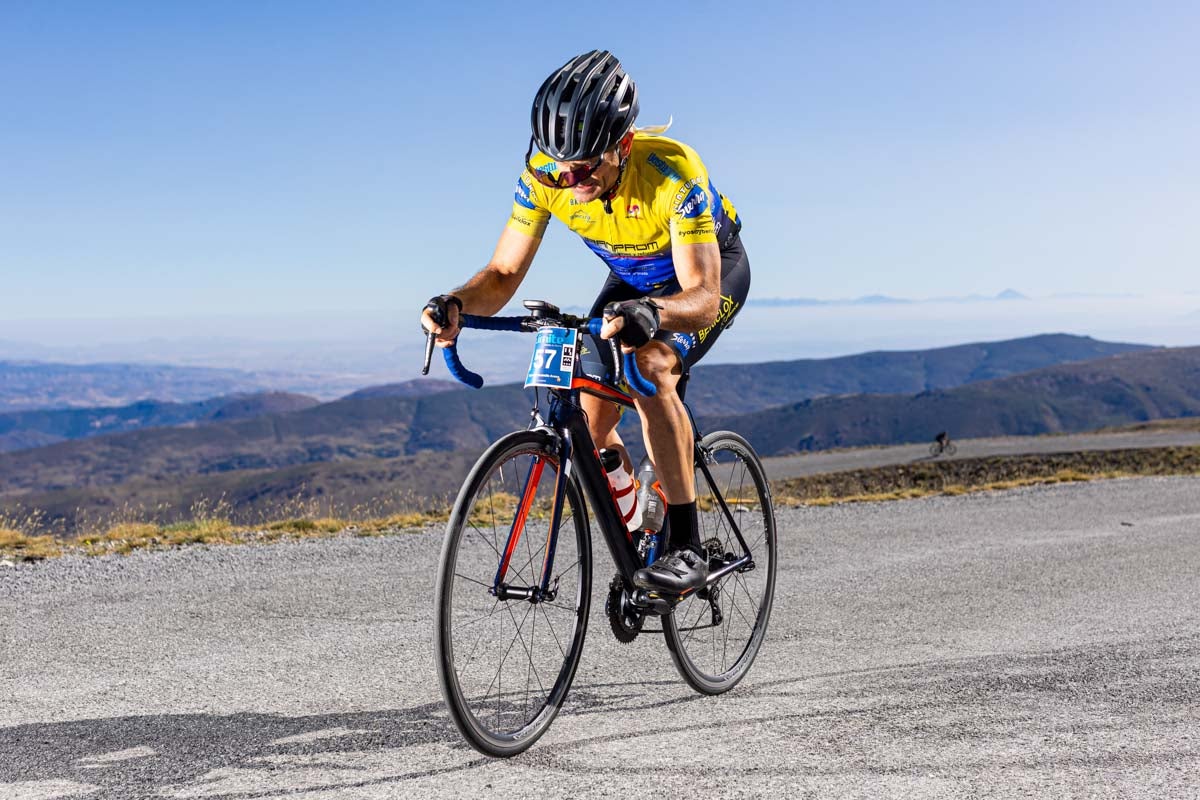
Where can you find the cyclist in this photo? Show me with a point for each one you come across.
(678, 272)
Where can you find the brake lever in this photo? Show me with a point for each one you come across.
(430, 340)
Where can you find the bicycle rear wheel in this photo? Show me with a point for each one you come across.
(714, 635)
(506, 659)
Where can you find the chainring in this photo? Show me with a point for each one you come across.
(623, 618)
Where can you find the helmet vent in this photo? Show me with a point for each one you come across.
(583, 108)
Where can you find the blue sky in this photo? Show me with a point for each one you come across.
(216, 158)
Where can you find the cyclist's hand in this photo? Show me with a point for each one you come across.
(633, 322)
(440, 316)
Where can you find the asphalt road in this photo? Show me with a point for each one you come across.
(866, 457)
(1033, 643)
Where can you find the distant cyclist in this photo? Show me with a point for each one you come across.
(647, 207)
(942, 444)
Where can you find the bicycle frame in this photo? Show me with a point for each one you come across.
(567, 427)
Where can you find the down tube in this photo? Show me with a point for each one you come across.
(595, 484)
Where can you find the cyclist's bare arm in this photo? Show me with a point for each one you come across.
(698, 270)
(491, 287)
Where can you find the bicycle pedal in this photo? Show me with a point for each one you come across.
(655, 603)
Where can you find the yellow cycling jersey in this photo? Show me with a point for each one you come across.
(665, 196)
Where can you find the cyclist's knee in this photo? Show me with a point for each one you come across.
(660, 365)
(602, 415)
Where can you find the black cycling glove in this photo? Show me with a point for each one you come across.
(439, 308)
(641, 319)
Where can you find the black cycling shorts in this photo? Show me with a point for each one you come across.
(595, 357)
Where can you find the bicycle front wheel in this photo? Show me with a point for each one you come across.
(714, 634)
(951, 448)
(507, 650)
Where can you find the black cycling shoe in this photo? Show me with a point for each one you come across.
(675, 573)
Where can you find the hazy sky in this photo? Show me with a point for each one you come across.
(240, 158)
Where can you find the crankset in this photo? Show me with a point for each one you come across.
(625, 620)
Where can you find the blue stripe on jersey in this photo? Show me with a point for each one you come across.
(641, 272)
(721, 220)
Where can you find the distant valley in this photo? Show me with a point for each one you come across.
(39, 386)
(21, 430)
(382, 448)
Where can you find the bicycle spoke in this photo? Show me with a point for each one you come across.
(691, 629)
(528, 651)
(478, 639)
(753, 605)
(568, 609)
(472, 580)
(552, 633)
(496, 678)
(529, 666)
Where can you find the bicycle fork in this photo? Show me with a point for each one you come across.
(543, 590)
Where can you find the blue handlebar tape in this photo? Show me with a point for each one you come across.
(461, 373)
(639, 384)
(491, 323)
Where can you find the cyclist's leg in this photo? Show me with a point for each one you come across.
(667, 428)
(596, 361)
(667, 362)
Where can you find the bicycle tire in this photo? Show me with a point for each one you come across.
(951, 448)
(506, 723)
(696, 654)
(936, 449)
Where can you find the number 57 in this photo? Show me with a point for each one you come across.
(547, 356)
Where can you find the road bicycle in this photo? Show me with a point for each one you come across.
(939, 447)
(515, 579)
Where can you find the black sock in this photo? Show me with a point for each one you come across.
(684, 527)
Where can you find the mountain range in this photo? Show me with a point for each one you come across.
(377, 446)
(1159, 384)
(21, 430)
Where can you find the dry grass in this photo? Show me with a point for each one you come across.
(952, 490)
(210, 523)
(126, 537)
(19, 546)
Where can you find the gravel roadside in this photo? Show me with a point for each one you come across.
(1038, 642)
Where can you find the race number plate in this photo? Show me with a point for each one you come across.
(553, 361)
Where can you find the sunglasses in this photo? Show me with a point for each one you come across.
(563, 179)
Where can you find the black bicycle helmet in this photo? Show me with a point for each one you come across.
(584, 107)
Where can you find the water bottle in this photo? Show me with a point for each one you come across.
(622, 488)
(650, 498)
